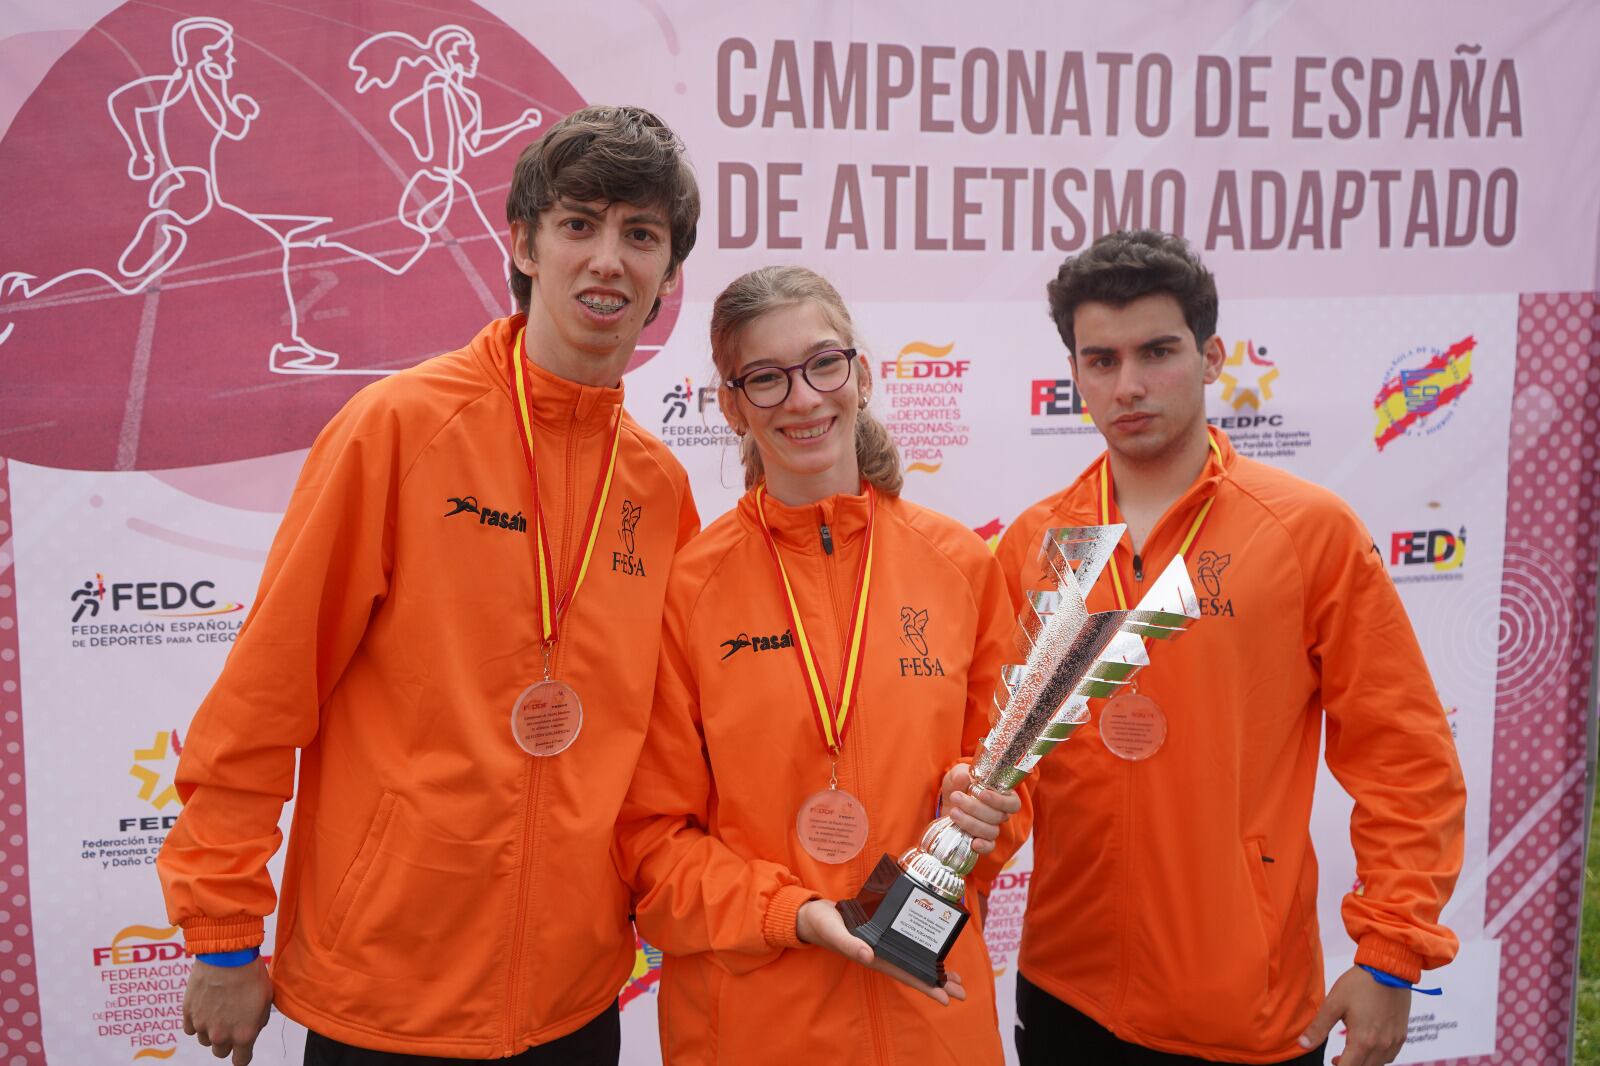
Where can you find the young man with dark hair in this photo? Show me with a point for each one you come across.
(443, 632)
(1172, 910)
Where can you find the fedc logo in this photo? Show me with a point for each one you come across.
(990, 533)
(140, 613)
(1420, 390)
(161, 599)
(924, 387)
(690, 416)
(1439, 550)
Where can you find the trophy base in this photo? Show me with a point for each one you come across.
(907, 926)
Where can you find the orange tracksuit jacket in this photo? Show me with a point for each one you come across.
(1174, 900)
(444, 893)
(708, 828)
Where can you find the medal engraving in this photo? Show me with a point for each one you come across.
(546, 718)
(1133, 726)
(832, 826)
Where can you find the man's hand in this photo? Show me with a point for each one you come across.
(980, 817)
(1375, 1019)
(819, 923)
(226, 1007)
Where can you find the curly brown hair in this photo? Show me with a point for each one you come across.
(1123, 266)
(606, 154)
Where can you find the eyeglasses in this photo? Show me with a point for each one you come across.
(768, 386)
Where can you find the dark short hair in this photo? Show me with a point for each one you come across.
(1123, 266)
(606, 154)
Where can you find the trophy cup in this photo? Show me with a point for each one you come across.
(910, 909)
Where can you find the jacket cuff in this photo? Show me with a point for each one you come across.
(777, 926)
(202, 936)
(1390, 956)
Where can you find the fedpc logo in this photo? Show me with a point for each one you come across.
(1247, 377)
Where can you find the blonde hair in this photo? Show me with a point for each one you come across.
(762, 291)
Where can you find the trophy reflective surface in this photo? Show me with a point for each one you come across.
(910, 908)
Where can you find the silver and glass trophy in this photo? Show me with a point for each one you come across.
(910, 908)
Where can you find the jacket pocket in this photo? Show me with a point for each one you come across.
(1266, 914)
(350, 885)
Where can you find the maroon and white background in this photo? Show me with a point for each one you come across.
(219, 220)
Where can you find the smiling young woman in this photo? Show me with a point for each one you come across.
(778, 768)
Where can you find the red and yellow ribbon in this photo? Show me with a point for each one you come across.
(833, 718)
(551, 608)
(1105, 516)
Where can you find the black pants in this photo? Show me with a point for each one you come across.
(599, 1043)
(1050, 1033)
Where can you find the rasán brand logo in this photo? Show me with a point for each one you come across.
(745, 640)
(487, 516)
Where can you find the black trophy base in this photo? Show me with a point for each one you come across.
(907, 926)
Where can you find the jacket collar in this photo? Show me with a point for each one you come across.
(556, 402)
(1082, 500)
(799, 529)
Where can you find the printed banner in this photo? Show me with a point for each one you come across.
(222, 220)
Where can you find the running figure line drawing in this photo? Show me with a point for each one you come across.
(441, 122)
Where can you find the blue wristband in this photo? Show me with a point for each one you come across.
(242, 957)
(1392, 981)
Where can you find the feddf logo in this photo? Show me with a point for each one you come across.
(142, 974)
(924, 385)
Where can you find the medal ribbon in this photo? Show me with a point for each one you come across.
(1105, 516)
(551, 609)
(832, 718)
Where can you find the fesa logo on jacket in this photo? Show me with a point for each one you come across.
(745, 640)
(914, 632)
